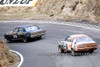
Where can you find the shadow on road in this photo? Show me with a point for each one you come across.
(29, 40)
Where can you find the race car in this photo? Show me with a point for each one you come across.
(77, 43)
(24, 33)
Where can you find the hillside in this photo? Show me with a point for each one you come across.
(6, 57)
(66, 9)
(71, 8)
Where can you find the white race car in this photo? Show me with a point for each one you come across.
(77, 43)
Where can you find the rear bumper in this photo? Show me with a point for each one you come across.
(37, 35)
(86, 49)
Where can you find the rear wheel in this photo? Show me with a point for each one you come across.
(39, 37)
(91, 51)
(73, 52)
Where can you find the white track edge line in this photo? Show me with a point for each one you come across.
(53, 22)
(21, 57)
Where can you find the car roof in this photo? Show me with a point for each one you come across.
(24, 26)
(78, 35)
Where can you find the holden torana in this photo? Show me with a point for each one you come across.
(24, 33)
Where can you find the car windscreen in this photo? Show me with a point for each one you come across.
(32, 28)
(83, 39)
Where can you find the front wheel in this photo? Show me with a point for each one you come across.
(25, 40)
(60, 49)
(8, 40)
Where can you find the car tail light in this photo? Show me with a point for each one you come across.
(80, 46)
(94, 45)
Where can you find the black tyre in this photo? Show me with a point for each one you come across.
(39, 37)
(25, 40)
(91, 51)
(67, 49)
(8, 40)
(60, 49)
(73, 53)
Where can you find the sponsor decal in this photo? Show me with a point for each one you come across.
(15, 36)
(9, 33)
(21, 33)
(18, 3)
(35, 2)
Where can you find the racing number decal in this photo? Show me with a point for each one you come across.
(15, 36)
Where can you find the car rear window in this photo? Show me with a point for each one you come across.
(83, 39)
(32, 28)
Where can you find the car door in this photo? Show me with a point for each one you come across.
(69, 42)
(20, 32)
(15, 35)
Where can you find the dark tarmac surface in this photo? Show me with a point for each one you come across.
(44, 52)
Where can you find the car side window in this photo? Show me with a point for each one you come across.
(20, 30)
(37, 27)
(15, 30)
(68, 39)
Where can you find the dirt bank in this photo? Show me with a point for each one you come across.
(6, 57)
(57, 9)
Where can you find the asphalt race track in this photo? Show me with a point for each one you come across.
(44, 52)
